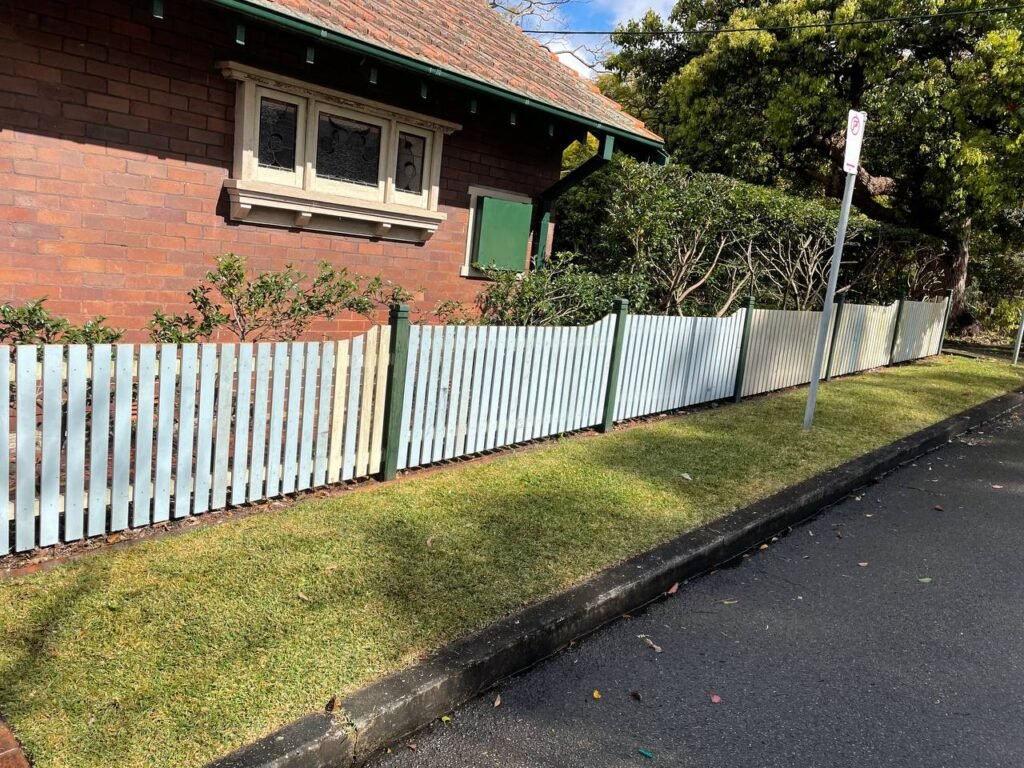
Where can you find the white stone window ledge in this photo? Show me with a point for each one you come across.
(276, 205)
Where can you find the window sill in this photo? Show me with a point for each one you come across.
(281, 206)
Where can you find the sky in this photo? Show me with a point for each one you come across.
(593, 15)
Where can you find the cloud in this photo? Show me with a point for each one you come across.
(624, 10)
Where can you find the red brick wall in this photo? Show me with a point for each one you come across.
(116, 135)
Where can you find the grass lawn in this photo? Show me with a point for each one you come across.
(173, 652)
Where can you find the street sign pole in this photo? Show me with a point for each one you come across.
(854, 138)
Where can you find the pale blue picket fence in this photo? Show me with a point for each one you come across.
(111, 437)
(673, 362)
(472, 389)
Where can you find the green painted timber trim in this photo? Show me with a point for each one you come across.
(299, 26)
(619, 308)
(945, 319)
(741, 365)
(840, 303)
(398, 358)
(896, 331)
(604, 154)
(543, 228)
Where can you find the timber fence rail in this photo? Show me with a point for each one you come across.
(109, 437)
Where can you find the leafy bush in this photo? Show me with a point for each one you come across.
(32, 323)
(270, 305)
(562, 293)
(700, 241)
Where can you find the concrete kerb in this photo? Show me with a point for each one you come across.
(385, 711)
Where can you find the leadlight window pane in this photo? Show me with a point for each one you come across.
(278, 125)
(347, 150)
(409, 175)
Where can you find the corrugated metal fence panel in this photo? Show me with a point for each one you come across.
(781, 350)
(673, 362)
(474, 389)
(106, 437)
(920, 330)
(864, 338)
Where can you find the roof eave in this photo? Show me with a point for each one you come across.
(336, 38)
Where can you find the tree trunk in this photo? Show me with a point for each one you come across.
(956, 278)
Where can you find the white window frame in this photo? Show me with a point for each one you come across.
(302, 199)
(349, 189)
(293, 178)
(476, 192)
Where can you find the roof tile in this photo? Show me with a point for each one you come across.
(469, 38)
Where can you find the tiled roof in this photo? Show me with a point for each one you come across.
(470, 39)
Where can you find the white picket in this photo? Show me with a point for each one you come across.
(25, 487)
(204, 428)
(74, 491)
(323, 415)
(143, 480)
(356, 380)
(124, 396)
(261, 397)
(222, 434)
(305, 479)
(240, 445)
(49, 465)
(165, 433)
(5, 457)
(99, 436)
(183, 469)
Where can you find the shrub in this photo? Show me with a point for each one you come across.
(32, 323)
(276, 306)
(562, 293)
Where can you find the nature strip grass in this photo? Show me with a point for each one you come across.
(176, 651)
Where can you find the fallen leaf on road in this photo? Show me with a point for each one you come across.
(411, 746)
(596, 694)
(938, 508)
(729, 602)
(636, 695)
(763, 546)
(997, 487)
(863, 565)
(652, 645)
(673, 589)
(925, 580)
(716, 699)
(445, 719)
(497, 700)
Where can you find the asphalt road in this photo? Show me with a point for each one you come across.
(829, 648)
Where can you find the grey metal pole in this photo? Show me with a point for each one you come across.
(1020, 336)
(830, 292)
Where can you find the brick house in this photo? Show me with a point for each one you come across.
(406, 138)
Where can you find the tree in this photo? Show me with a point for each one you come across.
(943, 148)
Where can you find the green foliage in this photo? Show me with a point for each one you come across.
(1004, 318)
(32, 323)
(270, 305)
(943, 152)
(562, 293)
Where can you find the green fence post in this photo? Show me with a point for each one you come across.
(838, 315)
(741, 366)
(896, 331)
(619, 309)
(945, 319)
(398, 358)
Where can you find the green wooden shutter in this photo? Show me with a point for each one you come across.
(502, 235)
